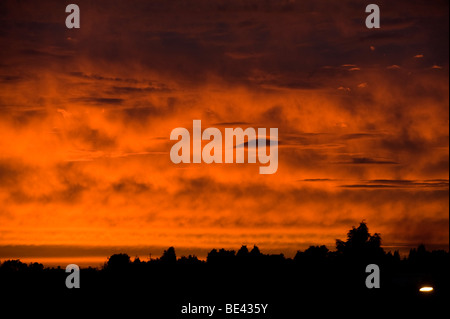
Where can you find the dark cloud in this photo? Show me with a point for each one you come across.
(221, 38)
(98, 77)
(11, 172)
(232, 124)
(10, 78)
(360, 136)
(366, 160)
(69, 193)
(381, 183)
(94, 138)
(316, 180)
(130, 186)
(143, 114)
(38, 54)
(367, 186)
(20, 116)
(268, 141)
(135, 90)
(408, 141)
(99, 101)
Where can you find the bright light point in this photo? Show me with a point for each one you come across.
(426, 289)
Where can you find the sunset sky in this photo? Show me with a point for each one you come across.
(86, 116)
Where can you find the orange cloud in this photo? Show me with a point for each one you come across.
(87, 114)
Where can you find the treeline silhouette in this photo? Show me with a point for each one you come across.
(248, 274)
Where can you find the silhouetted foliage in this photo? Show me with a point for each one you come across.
(255, 251)
(13, 265)
(360, 244)
(313, 272)
(242, 252)
(222, 256)
(118, 262)
(312, 255)
(169, 256)
(189, 260)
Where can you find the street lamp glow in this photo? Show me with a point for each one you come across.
(426, 289)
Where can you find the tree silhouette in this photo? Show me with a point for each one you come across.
(220, 257)
(313, 256)
(317, 252)
(118, 262)
(189, 260)
(360, 244)
(242, 252)
(169, 256)
(13, 265)
(311, 273)
(255, 251)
